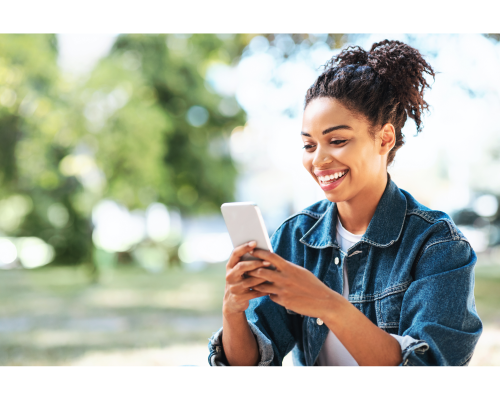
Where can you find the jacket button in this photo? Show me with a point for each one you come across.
(319, 321)
(336, 260)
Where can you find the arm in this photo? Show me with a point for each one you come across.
(300, 290)
(239, 344)
(438, 309)
(365, 341)
(238, 341)
(264, 333)
(242, 342)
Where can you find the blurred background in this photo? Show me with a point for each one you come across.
(118, 150)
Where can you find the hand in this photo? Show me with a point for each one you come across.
(238, 282)
(293, 287)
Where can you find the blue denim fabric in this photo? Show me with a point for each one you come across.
(411, 274)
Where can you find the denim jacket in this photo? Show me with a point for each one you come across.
(411, 274)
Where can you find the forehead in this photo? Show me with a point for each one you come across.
(324, 112)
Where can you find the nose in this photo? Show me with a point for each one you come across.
(322, 157)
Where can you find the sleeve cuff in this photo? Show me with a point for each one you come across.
(408, 345)
(217, 358)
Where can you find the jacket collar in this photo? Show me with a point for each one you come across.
(384, 229)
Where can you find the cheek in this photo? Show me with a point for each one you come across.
(356, 157)
(348, 157)
(306, 160)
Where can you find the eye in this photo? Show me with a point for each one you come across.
(308, 146)
(337, 142)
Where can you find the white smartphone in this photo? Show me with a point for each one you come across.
(244, 223)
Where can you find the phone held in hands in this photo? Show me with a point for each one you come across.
(244, 223)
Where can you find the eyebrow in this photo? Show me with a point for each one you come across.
(331, 129)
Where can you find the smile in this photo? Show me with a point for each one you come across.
(329, 182)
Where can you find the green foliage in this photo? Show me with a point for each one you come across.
(33, 123)
(137, 102)
(129, 133)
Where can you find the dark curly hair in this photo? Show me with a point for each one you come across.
(386, 85)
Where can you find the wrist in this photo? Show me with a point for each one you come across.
(229, 314)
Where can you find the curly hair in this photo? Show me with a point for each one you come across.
(386, 85)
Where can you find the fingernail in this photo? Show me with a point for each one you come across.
(266, 263)
(252, 243)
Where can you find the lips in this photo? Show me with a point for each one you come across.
(336, 181)
(324, 179)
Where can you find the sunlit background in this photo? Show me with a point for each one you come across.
(118, 150)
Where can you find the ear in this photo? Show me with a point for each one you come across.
(388, 138)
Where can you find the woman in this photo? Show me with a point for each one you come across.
(367, 276)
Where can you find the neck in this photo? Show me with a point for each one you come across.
(355, 214)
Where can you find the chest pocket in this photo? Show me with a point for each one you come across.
(389, 311)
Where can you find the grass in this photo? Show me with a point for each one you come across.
(55, 316)
(487, 294)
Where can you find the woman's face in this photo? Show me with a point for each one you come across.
(339, 152)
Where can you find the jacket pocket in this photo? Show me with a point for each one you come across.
(389, 310)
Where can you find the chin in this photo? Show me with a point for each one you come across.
(335, 198)
(340, 193)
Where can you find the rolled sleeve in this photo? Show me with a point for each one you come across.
(438, 310)
(217, 357)
(408, 344)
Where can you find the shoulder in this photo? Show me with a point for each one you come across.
(440, 243)
(435, 224)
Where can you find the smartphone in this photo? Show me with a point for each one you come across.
(244, 223)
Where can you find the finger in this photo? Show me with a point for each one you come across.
(240, 270)
(266, 255)
(266, 287)
(268, 275)
(239, 251)
(245, 285)
(251, 282)
(245, 266)
(252, 294)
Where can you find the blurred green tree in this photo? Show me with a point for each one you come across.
(35, 198)
(156, 130)
(143, 127)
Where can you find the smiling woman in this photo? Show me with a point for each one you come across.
(367, 276)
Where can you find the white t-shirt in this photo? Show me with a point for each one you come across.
(333, 351)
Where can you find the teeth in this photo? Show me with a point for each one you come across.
(335, 176)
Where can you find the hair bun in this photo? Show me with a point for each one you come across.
(400, 65)
(397, 64)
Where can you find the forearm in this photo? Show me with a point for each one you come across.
(366, 342)
(240, 346)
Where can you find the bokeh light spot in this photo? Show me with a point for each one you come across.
(197, 116)
(486, 205)
(8, 252)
